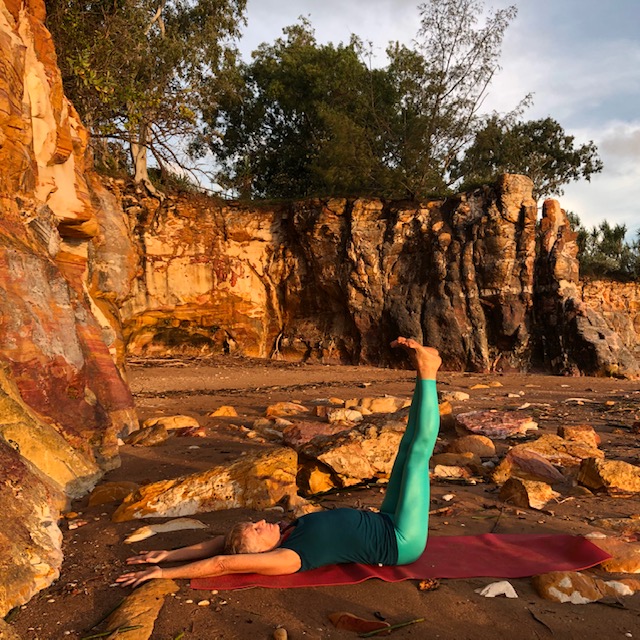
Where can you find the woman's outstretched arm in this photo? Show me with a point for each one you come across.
(271, 563)
(205, 549)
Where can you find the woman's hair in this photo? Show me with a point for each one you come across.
(235, 541)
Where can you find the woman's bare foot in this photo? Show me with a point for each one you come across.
(426, 360)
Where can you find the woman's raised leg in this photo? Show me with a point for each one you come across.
(408, 494)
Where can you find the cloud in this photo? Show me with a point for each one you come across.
(621, 140)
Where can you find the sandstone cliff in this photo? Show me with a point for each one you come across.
(62, 397)
(337, 279)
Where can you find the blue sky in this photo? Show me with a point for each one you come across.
(579, 58)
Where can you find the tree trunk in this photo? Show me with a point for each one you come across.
(139, 158)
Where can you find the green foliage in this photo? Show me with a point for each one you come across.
(297, 122)
(539, 149)
(439, 88)
(129, 65)
(603, 251)
(307, 118)
(303, 118)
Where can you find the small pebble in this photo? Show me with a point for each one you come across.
(189, 601)
(204, 603)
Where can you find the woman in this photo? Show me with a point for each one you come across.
(396, 535)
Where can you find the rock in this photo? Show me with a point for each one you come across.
(502, 588)
(343, 415)
(31, 541)
(141, 608)
(7, 632)
(254, 481)
(179, 524)
(284, 409)
(299, 433)
(315, 478)
(574, 337)
(528, 494)
(148, 436)
(191, 432)
(481, 446)
(454, 459)
(454, 396)
(480, 385)
(171, 422)
(280, 634)
(580, 588)
(107, 492)
(298, 506)
(528, 464)
(385, 404)
(625, 556)
(580, 433)
(615, 476)
(42, 444)
(496, 424)
(224, 411)
(540, 458)
(363, 453)
(450, 471)
(626, 526)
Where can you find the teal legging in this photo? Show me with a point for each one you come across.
(408, 492)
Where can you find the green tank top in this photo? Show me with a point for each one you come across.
(343, 535)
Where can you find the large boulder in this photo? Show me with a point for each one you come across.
(614, 476)
(550, 458)
(363, 453)
(253, 481)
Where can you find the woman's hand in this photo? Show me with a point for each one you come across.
(148, 557)
(138, 577)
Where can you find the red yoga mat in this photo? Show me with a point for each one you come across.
(488, 555)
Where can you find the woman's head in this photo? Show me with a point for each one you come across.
(252, 537)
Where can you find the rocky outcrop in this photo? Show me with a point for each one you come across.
(619, 304)
(337, 279)
(572, 337)
(63, 400)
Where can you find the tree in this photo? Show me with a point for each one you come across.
(603, 251)
(298, 124)
(317, 119)
(140, 71)
(440, 87)
(539, 149)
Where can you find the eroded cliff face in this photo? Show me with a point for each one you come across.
(619, 304)
(573, 337)
(63, 400)
(338, 279)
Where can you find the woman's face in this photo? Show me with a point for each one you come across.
(261, 536)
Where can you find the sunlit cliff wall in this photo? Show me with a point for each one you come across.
(63, 400)
(336, 280)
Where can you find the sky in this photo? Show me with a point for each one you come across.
(579, 58)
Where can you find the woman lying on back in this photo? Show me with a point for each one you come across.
(395, 535)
